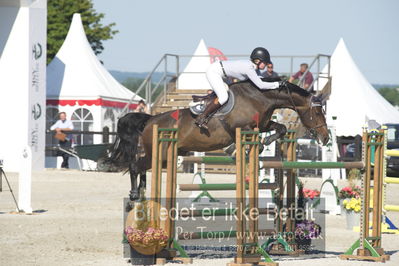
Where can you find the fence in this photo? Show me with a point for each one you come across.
(169, 65)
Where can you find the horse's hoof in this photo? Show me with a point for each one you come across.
(230, 149)
(269, 140)
(134, 195)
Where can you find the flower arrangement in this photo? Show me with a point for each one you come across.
(151, 237)
(354, 204)
(349, 192)
(310, 194)
(307, 230)
(143, 231)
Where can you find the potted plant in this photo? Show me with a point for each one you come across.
(149, 241)
(348, 193)
(352, 209)
(144, 232)
(311, 196)
(305, 231)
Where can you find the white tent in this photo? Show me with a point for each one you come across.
(353, 100)
(78, 84)
(193, 76)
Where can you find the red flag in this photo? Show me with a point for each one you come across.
(256, 119)
(175, 115)
(216, 54)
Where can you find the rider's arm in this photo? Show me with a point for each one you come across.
(259, 83)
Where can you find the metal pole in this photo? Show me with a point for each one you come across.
(164, 82)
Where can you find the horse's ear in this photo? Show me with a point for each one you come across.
(325, 93)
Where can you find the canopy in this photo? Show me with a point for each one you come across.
(76, 77)
(353, 100)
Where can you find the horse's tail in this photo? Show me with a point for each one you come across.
(125, 148)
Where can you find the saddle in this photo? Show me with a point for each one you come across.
(206, 98)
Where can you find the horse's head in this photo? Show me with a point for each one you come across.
(311, 112)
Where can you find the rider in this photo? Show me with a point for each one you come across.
(238, 69)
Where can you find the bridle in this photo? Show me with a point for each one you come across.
(312, 104)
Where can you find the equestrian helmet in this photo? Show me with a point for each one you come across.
(262, 54)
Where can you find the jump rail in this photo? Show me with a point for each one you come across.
(277, 164)
(200, 187)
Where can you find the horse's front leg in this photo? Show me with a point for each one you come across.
(280, 129)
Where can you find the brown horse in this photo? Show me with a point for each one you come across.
(221, 130)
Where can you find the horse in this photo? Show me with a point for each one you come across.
(249, 101)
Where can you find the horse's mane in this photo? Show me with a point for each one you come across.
(295, 88)
(292, 87)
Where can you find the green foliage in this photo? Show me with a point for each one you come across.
(390, 94)
(59, 17)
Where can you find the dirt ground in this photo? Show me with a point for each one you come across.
(78, 220)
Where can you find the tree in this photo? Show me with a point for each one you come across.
(59, 17)
(390, 94)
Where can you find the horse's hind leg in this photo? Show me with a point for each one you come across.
(143, 177)
(134, 192)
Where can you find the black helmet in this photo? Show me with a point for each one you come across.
(262, 54)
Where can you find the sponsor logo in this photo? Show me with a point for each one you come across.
(37, 51)
(34, 142)
(36, 111)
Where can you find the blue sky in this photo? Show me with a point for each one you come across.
(149, 28)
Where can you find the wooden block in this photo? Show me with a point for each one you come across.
(167, 254)
(382, 258)
(295, 253)
(160, 261)
(366, 252)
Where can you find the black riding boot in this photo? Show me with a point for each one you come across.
(210, 109)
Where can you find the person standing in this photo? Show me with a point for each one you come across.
(308, 79)
(141, 107)
(269, 73)
(61, 126)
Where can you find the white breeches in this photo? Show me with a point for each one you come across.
(215, 77)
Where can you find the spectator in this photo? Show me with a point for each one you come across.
(269, 73)
(60, 127)
(141, 107)
(307, 81)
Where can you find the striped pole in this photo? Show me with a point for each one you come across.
(392, 153)
(391, 180)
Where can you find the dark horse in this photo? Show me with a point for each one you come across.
(249, 100)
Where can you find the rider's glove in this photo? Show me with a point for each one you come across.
(282, 83)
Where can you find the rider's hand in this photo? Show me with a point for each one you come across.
(282, 83)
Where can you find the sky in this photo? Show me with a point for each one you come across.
(150, 28)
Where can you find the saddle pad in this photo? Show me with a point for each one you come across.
(226, 108)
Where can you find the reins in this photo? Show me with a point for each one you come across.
(311, 105)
